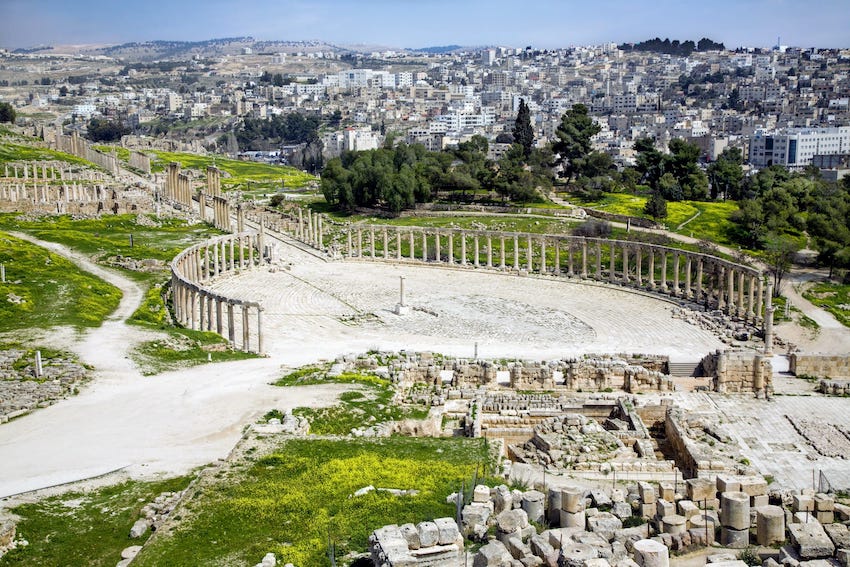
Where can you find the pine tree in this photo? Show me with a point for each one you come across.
(523, 133)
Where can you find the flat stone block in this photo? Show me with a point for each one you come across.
(811, 541)
(803, 503)
(736, 539)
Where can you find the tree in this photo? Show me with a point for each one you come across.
(656, 206)
(726, 174)
(103, 130)
(779, 255)
(7, 112)
(523, 133)
(650, 162)
(573, 138)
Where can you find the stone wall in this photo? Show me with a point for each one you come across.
(821, 365)
(739, 372)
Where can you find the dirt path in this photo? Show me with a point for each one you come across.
(165, 424)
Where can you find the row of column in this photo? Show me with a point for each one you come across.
(736, 290)
(221, 212)
(49, 173)
(178, 186)
(310, 228)
(52, 193)
(213, 181)
(201, 309)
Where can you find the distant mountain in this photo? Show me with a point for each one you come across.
(438, 49)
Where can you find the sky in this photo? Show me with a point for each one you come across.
(421, 23)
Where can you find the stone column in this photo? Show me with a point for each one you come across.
(462, 248)
(359, 242)
(475, 249)
(751, 300)
(664, 288)
(260, 349)
(625, 264)
(557, 256)
(730, 296)
(676, 270)
(516, 252)
(651, 274)
(699, 280)
(688, 288)
(398, 244)
(412, 239)
(209, 313)
(489, 251)
(218, 316)
(502, 252)
(193, 294)
(424, 246)
(371, 243)
(542, 256)
(202, 311)
(386, 244)
(584, 259)
(231, 325)
(612, 262)
(451, 248)
(598, 261)
(437, 251)
(768, 320)
(529, 257)
(740, 305)
(639, 264)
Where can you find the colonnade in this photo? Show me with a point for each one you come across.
(734, 289)
(198, 307)
(52, 193)
(178, 186)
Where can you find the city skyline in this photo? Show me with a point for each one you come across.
(408, 24)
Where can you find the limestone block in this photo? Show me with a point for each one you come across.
(664, 508)
(651, 553)
(621, 510)
(770, 525)
(647, 492)
(448, 532)
(494, 554)
(674, 524)
(727, 483)
(825, 517)
(140, 528)
(759, 501)
(598, 562)
(842, 556)
(502, 499)
(824, 503)
(410, 535)
(753, 485)
(600, 498)
(802, 518)
(803, 503)
(511, 521)
(839, 534)
(481, 493)
(516, 496)
(572, 499)
(429, 534)
(811, 541)
(647, 510)
(605, 524)
(735, 510)
(736, 539)
(842, 512)
(617, 495)
(553, 513)
(700, 489)
(576, 554)
(721, 558)
(687, 508)
(667, 491)
(705, 519)
(542, 549)
(516, 548)
(573, 519)
(533, 504)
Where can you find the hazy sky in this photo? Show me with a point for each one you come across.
(420, 23)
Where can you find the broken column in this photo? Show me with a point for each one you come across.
(735, 519)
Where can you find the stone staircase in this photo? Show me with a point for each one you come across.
(683, 368)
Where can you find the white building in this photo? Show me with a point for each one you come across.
(795, 147)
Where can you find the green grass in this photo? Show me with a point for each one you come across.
(109, 236)
(246, 176)
(83, 528)
(371, 405)
(184, 348)
(52, 290)
(18, 152)
(832, 297)
(123, 153)
(713, 223)
(294, 500)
